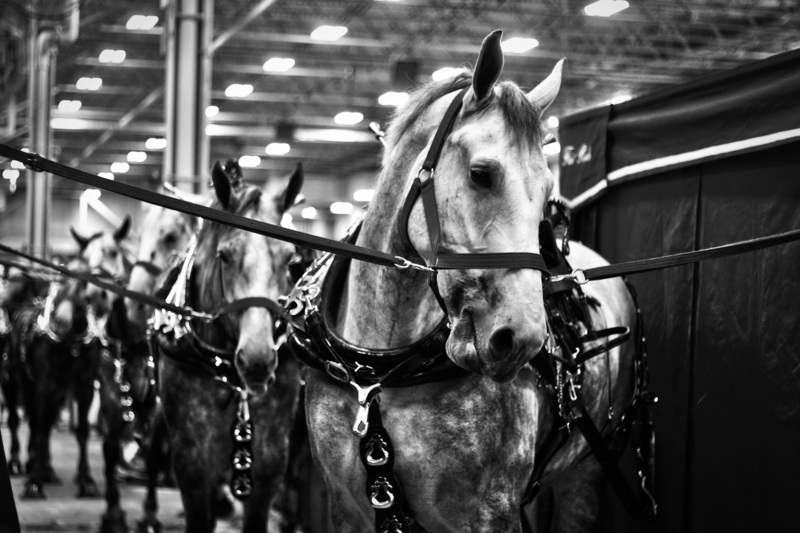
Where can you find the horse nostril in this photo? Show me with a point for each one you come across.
(103, 295)
(502, 341)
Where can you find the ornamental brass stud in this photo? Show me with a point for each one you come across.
(382, 496)
(377, 451)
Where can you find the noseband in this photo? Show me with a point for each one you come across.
(424, 188)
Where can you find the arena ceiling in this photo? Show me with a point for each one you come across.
(649, 45)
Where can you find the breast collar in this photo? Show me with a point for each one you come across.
(314, 341)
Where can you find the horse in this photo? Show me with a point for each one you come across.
(228, 404)
(128, 401)
(59, 351)
(459, 437)
(19, 290)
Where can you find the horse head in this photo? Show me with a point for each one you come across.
(491, 186)
(69, 306)
(104, 254)
(164, 234)
(234, 264)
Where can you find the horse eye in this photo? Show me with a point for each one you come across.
(170, 239)
(113, 254)
(481, 177)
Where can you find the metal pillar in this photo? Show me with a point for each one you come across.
(41, 73)
(188, 87)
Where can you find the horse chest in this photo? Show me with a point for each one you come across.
(454, 442)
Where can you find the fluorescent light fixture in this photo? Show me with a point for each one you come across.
(277, 149)
(341, 208)
(286, 221)
(112, 56)
(88, 84)
(309, 213)
(16, 164)
(333, 135)
(141, 22)
(59, 123)
(249, 161)
(11, 174)
(120, 167)
(605, 8)
(106, 175)
(137, 157)
(519, 45)
(69, 106)
(348, 118)
(393, 98)
(155, 143)
(364, 195)
(552, 122)
(445, 73)
(618, 99)
(328, 33)
(212, 111)
(553, 148)
(238, 90)
(278, 64)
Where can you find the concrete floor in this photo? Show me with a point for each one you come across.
(63, 512)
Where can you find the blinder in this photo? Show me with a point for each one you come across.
(443, 260)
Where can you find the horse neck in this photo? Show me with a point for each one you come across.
(204, 292)
(386, 307)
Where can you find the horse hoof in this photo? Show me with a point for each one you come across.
(33, 491)
(148, 527)
(50, 476)
(88, 489)
(14, 467)
(114, 522)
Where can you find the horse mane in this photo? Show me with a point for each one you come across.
(522, 117)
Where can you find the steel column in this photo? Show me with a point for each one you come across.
(188, 86)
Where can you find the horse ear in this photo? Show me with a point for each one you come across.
(287, 198)
(543, 94)
(222, 185)
(80, 239)
(122, 231)
(489, 66)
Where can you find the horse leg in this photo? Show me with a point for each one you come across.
(576, 498)
(113, 520)
(156, 461)
(87, 488)
(11, 394)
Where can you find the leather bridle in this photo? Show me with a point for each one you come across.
(439, 259)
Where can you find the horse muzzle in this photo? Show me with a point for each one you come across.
(257, 371)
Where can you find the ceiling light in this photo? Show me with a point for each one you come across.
(137, 157)
(553, 148)
(393, 99)
(445, 73)
(141, 22)
(120, 167)
(328, 33)
(278, 64)
(277, 148)
(286, 221)
(92, 194)
(552, 122)
(308, 213)
(69, 105)
(333, 135)
(518, 45)
(59, 123)
(364, 195)
(106, 175)
(112, 56)
(11, 174)
(88, 84)
(238, 90)
(605, 8)
(249, 161)
(212, 111)
(17, 164)
(341, 208)
(155, 143)
(348, 118)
